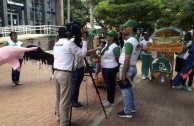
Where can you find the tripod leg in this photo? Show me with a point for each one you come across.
(90, 73)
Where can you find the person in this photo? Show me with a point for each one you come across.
(145, 56)
(15, 76)
(109, 63)
(120, 39)
(180, 62)
(187, 70)
(128, 69)
(64, 54)
(97, 58)
(77, 78)
(3, 44)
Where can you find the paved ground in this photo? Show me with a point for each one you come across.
(32, 104)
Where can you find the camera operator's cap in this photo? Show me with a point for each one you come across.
(112, 33)
(131, 23)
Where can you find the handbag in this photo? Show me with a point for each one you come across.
(124, 85)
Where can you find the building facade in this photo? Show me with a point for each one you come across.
(27, 12)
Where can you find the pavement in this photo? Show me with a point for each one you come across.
(32, 104)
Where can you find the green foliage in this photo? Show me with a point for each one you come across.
(146, 12)
(178, 14)
(149, 13)
(94, 2)
(78, 11)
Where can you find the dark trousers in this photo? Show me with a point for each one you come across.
(184, 70)
(180, 63)
(77, 77)
(191, 78)
(190, 82)
(109, 75)
(15, 75)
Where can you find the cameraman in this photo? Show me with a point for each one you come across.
(78, 75)
(64, 54)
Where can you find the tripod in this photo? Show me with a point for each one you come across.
(90, 73)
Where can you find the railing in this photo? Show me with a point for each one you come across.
(27, 29)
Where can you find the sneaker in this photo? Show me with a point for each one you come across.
(78, 105)
(173, 87)
(133, 110)
(107, 104)
(189, 89)
(180, 87)
(143, 77)
(13, 84)
(150, 78)
(18, 83)
(104, 101)
(123, 114)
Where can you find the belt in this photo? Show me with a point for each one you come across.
(63, 70)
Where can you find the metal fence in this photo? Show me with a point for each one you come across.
(27, 29)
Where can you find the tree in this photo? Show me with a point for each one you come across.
(187, 18)
(114, 12)
(177, 13)
(92, 4)
(79, 12)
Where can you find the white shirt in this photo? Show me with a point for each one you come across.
(65, 52)
(135, 53)
(19, 44)
(79, 62)
(184, 54)
(108, 58)
(144, 43)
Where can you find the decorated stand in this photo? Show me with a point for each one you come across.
(166, 42)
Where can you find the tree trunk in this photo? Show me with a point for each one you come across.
(91, 15)
(59, 12)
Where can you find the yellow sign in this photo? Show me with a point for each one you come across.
(173, 47)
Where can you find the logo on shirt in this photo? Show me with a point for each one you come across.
(58, 44)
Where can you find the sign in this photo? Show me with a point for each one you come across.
(167, 35)
(173, 47)
(165, 43)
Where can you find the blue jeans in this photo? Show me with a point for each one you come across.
(131, 73)
(15, 75)
(77, 77)
(128, 95)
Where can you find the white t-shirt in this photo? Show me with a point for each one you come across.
(135, 53)
(19, 44)
(108, 58)
(144, 43)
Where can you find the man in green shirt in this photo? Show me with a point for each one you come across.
(128, 69)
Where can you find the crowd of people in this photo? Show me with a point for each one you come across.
(117, 52)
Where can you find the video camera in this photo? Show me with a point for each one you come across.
(73, 30)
